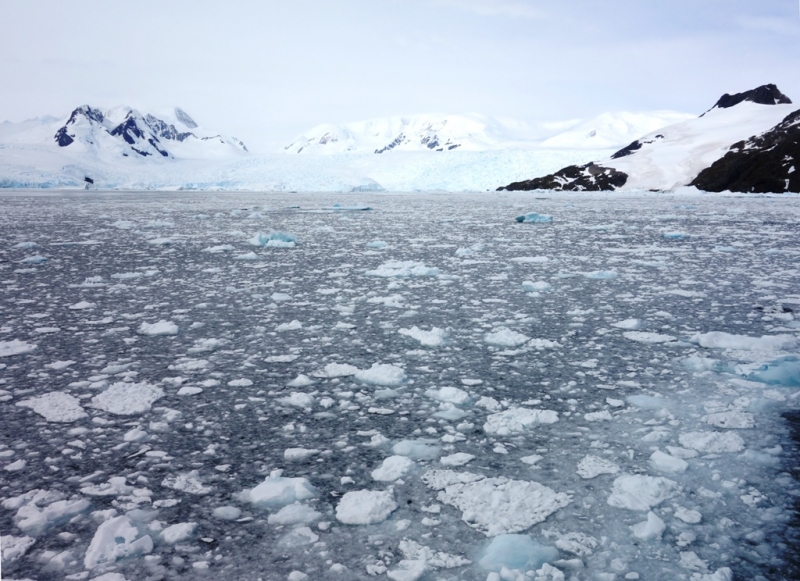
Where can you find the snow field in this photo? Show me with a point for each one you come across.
(494, 415)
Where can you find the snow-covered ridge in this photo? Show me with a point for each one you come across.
(444, 133)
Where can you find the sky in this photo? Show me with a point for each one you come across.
(266, 71)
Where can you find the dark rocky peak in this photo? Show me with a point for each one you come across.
(130, 129)
(763, 95)
(164, 130)
(84, 110)
(184, 118)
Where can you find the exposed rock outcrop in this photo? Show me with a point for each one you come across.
(575, 178)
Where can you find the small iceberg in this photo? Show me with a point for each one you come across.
(534, 218)
(274, 240)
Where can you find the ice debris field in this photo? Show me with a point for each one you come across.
(404, 387)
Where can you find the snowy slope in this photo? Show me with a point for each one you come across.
(443, 133)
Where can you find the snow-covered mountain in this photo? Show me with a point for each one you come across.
(675, 155)
(444, 133)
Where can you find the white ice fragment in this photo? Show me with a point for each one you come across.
(159, 328)
(135, 435)
(515, 552)
(127, 398)
(712, 442)
(392, 468)
(243, 382)
(650, 338)
(55, 406)
(364, 507)
(449, 395)
(178, 533)
(601, 416)
(538, 286)
(339, 370)
(298, 399)
(496, 506)
(292, 326)
(457, 459)
(733, 420)
(628, 324)
(593, 466)
(402, 269)
(293, 514)
(383, 374)
(301, 381)
(15, 347)
(417, 449)
(15, 547)
(116, 538)
(650, 529)
(517, 420)
(189, 390)
(277, 490)
(298, 454)
(188, 482)
(719, 340)
(666, 463)
(280, 297)
(530, 259)
(691, 517)
(433, 338)
(638, 492)
(226, 513)
(505, 337)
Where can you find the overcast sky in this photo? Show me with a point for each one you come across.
(266, 71)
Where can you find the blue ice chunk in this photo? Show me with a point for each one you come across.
(518, 552)
(262, 239)
(534, 218)
(377, 244)
(784, 371)
(648, 402)
(357, 208)
(674, 235)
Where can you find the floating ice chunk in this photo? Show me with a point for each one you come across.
(403, 269)
(33, 520)
(189, 390)
(24, 245)
(160, 241)
(277, 491)
(383, 374)
(204, 345)
(592, 466)
(243, 382)
(785, 371)
(227, 513)
(159, 328)
(534, 218)
(294, 514)
(247, 256)
(712, 442)
(517, 420)
(301, 381)
(665, 463)
(601, 416)
(489, 404)
(298, 454)
(377, 244)
(530, 259)
(293, 326)
(417, 449)
(365, 507)
(16, 466)
(700, 364)
(505, 337)
(419, 559)
(37, 259)
(115, 486)
(392, 468)
(81, 306)
(395, 301)
(298, 399)
(178, 533)
(449, 394)
(733, 419)
(601, 274)
(674, 235)
(648, 402)
(274, 240)
(280, 297)
(515, 552)
(538, 286)
(628, 324)
(219, 249)
(116, 538)
(691, 517)
(15, 347)
(650, 529)
(59, 365)
(457, 459)
(644, 337)
(339, 370)
(496, 506)
(720, 340)
(188, 482)
(55, 406)
(638, 492)
(531, 460)
(432, 338)
(126, 399)
(15, 547)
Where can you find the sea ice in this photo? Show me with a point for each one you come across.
(505, 337)
(115, 538)
(15, 547)
(534, 218)
(432, 338)
(178, 533)
(160, 328)
(732, 419)
(392, 468)
(712, 442)
(403, 269)
(593, 466)
(638, 492)
(365, 507)
(126, 399)
(457, 459)
(666, 463)
(719, 340)
(293, 514)
(55, 406)
(274, 240)
(538, 286)
(15, 347)
(417, 449)
(515, 552)
(188, 482)
(644, 337)
(383, 374)
(278, 491)
(496, 506)
(227, 513)
(449, 395)
(517, 420)
(650, 529)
